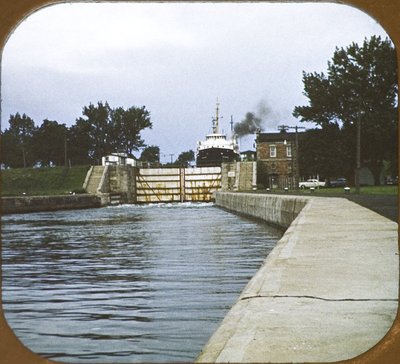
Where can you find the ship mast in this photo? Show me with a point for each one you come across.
(216, 120)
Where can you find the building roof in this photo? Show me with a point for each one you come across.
(276, 137)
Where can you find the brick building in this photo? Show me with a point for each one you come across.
(277, 159)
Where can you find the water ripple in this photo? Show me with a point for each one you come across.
(126, 283)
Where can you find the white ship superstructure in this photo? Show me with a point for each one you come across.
(217, 148)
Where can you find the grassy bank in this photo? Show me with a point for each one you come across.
(364, 190)
(42, 181)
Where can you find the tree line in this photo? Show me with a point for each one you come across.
(359, 89)
(100, 131)
(151, 155)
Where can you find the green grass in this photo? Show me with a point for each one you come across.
(379, 190)
(364, 190)
(42, 181)
(60, 181)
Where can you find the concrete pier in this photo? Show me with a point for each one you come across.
(327, 292)
(26, 204)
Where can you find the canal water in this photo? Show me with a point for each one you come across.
(130, 283)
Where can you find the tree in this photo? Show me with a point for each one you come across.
(360, 86)
(100, 131)
(79, 143)
(126, 128)
(185, 158)
(112, 130)
(150, 154)
(10, 153)
(49, 143)
(321, 151)
(17, 141)
(98, 126)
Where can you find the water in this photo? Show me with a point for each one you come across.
(127, 283)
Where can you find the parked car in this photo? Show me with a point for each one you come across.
(337, 182)
(392, 180)
(311, 183)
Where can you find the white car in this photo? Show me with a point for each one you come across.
(311, 183)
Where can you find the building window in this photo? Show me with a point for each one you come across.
(272, 151)
(288, 150)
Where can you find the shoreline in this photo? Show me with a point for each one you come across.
(28, 204)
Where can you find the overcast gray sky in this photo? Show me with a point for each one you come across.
(176, 59)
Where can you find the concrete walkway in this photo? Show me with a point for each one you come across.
(327, 292)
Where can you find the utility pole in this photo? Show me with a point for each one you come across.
(171, 155)
(296, 128)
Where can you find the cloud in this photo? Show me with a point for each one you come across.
(175, 58)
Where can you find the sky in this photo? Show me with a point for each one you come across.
(176, 59)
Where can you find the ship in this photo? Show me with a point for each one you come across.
(217, 149)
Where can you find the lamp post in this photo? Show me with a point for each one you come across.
(358, 146)
(355, 83)
(358, 154)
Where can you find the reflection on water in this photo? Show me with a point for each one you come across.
(128, 283)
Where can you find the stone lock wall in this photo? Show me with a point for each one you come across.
(239, 176)
(327, 292)
(12, 205)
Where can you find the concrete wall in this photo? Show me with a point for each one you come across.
(275, 209)
(110, 182)
(122, 179)
(239, 176)
(327, 292)
(228, 176)
(11, 205)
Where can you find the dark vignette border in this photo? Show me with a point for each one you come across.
(386, 12)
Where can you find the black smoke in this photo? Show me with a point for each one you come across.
(248, 125)
(253, 121)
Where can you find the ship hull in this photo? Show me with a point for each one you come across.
(215, 156)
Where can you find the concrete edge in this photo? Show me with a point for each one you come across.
(213, 348)
(101, 188)
(87, 178)
(218, 343)
(30, 204)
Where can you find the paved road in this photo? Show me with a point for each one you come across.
(384, 205)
